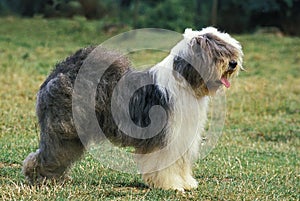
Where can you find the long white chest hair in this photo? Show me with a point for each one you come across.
(186, 121)
(183, 134)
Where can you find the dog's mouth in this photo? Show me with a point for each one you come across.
(225, 81)
(215, 85)
(225, 77)
(231, 69)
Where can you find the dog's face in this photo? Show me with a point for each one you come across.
(209, 61)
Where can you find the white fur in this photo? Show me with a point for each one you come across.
(171, 167)
(189, 34)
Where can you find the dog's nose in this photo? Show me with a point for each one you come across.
(232, 65)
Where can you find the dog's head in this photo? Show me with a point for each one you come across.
(207, 60)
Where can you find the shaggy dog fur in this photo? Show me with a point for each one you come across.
(195, 69)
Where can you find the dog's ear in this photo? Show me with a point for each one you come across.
(195, 44)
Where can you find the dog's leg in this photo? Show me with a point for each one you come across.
(186, 175)
(60, 145)
(52, 159)
(177, 176)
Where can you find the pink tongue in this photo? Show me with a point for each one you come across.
(225, 82)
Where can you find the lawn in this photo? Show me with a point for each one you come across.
(257, 157)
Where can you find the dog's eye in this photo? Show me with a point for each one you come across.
(232, 64)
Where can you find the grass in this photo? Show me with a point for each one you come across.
(257, 157)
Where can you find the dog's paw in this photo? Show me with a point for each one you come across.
(179, 189)
(190, 183)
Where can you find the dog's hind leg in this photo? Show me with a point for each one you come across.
(60, 145)
(52, 159)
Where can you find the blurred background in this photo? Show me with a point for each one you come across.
(235, 16)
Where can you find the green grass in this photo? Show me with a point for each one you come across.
(257, 157)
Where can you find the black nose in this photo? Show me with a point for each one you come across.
(232, 65)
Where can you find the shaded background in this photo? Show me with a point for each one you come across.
(235, 16)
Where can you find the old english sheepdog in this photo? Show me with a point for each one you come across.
(200, 64)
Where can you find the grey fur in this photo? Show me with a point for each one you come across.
(60, 144)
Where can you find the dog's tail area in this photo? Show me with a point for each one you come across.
(31, 166)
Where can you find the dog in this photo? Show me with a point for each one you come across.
(196, 68)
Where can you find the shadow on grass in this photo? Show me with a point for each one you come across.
(135, 184)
